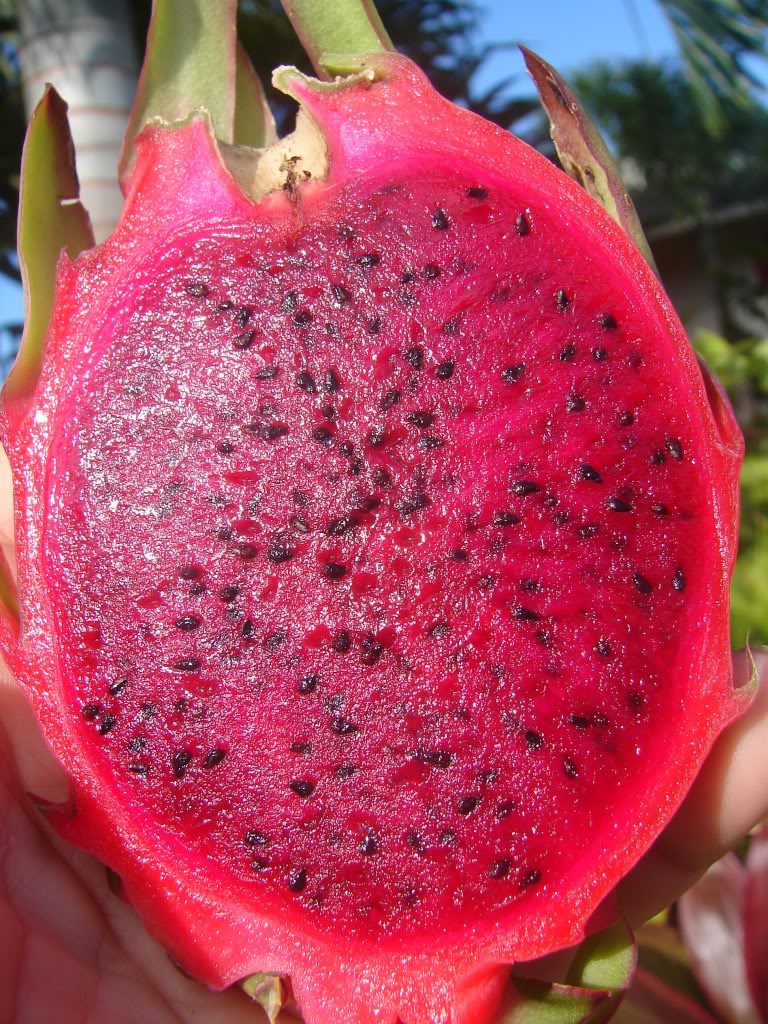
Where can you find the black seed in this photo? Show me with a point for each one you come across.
(187, 664)
(510, 374)
(504, 809)
(345, 231)
(242, 315)
(440, 220)
(331, 381)
(214, 757)
(445, 369)
(274, 431)
(342, 642)
(439, 630)
(561, 300)
(433, 758)
(267, 373)
(302, 788)
(659, 509)
(368, 260)
(487, 582)
(450, 326)
(308, 684)
(413, 503)
(431, 271)
(246, 551)
(530, 878)
(322, 435)
(244, 340)
(342, 726)
(658, 458)
(341, 294)
(603, 648)
(137, 744)
(407, 298)
(459, 555)
(524, 487)
(297, 880)
(371, 649)
(228, 594)
(505, 519)
(580, 721)
(346, 449)
(587, 531)
(543, 637)
(429, 443)
(635, 699)
(197, 588)
(421, 419)
(641, 583)
(529, 585)
(500, 869)
(299, 523)
(334, 571)
(415, 356)
(338, 527)
(278, 553)
(466, 804)
(374, 325)
(678, 580)
(180, 761)
(618, 505)
(329, 411)
(248, 629)
(258, 864)
(626, 419)
(522, 614)
(138, 768)
(118, 686)
(567, 353)
(91, 712)
(587, 472)
(674, 448)
(290, 302)
(275, 640)
(570, 768)
(599, 354)
(369, 845)
(189, 572)
(254, 838)
(306, 382)
(415, 841)
(608, 322)
(345, 771)
(390, 399)
(574, 403)
(187, 623)
(522, 225)
(197, 289)
(533, 740)
(224, 306)
(302, 318)
(225, 448)
(381, 477)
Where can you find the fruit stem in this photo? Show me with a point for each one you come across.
(338, 27)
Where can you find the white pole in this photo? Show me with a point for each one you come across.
(85, 49)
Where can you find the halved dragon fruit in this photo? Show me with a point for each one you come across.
(374, 528)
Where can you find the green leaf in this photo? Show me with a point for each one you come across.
(189, 64)
(51, 219)
(582, 151)
(600, 974)
(254, 123)
(337, 27)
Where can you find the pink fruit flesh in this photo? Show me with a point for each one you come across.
(385, 550)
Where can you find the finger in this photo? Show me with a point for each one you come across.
(728, 798)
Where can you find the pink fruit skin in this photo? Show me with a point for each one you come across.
(447, 972)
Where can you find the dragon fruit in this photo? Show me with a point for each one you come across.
(375, 525)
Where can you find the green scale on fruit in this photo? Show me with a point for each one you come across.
(375, 524)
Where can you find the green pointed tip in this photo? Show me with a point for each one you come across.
(51, 220)
(268, 991)
(582, 151)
